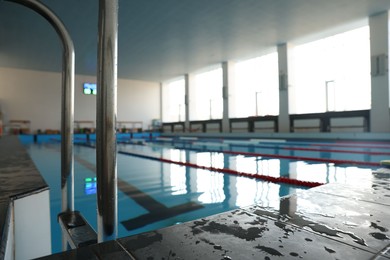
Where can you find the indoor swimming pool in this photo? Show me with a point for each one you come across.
(165, 181)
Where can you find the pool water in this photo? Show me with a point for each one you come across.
(154, 194)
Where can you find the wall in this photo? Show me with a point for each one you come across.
(32, 233)
(36, 96)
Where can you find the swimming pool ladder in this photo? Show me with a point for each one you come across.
(76, 231)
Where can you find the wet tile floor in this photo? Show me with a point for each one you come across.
(334, 221)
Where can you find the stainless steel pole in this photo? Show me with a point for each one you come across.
(106, 113)
(67, 106)
(67, 103)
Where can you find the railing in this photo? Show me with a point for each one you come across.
(215, 125)
(317, 122)
(19, 126)
(84, 126)
(322, 122)
(255, 124)
(76, 231)
(67, 104)
(106, 114)
(174, 127)
(205, 126)
(129, 126)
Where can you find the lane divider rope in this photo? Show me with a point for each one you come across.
(284, 180)
(315, 149)
(290, 157)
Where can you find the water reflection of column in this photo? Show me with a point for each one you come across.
(229, 183)
(162, 172)
(327, 172)
(326, 155)
(285, 172)
(190, 182)
(288, 206)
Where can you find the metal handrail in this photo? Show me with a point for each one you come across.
(67, 101)
(106, 113)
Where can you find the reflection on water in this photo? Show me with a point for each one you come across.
(230, 190)
(171, 186)
(211, 185)
(264, 193)
(329, 173)
(239, 191)
(178, 179)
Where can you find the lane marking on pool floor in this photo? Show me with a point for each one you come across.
(157, 210)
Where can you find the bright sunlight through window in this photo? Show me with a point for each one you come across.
(208, 95)
(256, 81)
(173, 101)
(332, 74)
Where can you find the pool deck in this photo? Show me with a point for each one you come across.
(333, 221)
(16, 167)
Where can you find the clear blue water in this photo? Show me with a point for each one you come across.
(166, 187)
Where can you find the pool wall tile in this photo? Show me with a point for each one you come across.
(16, 167)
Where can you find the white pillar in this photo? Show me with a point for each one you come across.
(190, 104)
(161, 101)
(227, 93)
(284, 82)
(379, 47)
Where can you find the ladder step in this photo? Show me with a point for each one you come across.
(76, 229)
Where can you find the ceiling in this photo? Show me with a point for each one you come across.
(163, 39)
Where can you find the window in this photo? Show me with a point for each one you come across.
(332, 74)
(173, 101)
(208, 95)
(256, 83)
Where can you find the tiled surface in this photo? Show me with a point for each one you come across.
(237, 235)
(378, 192)
(3, 226)
(307, 225)
(333, 221)
(15, 168)
(330, 222)
(358, 223)
(109, 250)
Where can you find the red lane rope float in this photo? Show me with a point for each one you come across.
(285, 180)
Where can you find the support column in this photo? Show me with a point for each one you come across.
(379, 48)
(284, 82)
(227, 93)
(161, 101)
(189, 100)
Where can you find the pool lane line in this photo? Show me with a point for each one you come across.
(351, 145)
(290, 157)
(278, 156)
(287, 146)
(337, 143)
(313, 149)
(229, 171)
(156, 210)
